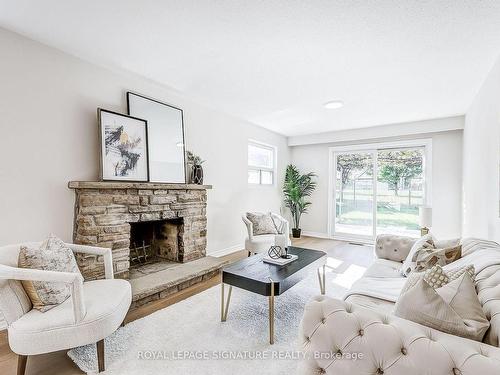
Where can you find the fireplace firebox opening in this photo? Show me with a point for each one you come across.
(155, 241)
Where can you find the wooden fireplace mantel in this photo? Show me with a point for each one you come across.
(134, 185)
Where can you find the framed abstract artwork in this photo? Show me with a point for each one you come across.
(124, 147)
(167, 160)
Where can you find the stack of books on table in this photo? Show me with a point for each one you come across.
(279, 261)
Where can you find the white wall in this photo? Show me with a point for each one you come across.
(481, 161)
(446, 179)
(49, 136)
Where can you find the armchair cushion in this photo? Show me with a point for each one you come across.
(262, 223)
(107, 302)
(51, 255)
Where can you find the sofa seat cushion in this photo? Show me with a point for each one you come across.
(383, 268)
(372, 303)
(107, 303)
(261, 243)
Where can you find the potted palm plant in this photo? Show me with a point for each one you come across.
(296, 188)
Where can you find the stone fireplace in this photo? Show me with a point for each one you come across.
(140, 222)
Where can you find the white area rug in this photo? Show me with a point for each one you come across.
(194, 326)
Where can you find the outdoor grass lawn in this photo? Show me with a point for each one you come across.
(385, 218)
(389, 214)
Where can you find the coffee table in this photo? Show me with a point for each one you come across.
(271, 280)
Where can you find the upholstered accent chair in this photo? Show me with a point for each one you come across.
(255, 244)
(94, 310)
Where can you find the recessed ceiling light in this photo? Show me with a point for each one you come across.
(334, 104)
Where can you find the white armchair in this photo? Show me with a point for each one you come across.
(94, 311)
(260, 243)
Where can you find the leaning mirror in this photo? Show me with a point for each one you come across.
(165, 138)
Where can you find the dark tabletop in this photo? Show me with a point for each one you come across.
(254, 275)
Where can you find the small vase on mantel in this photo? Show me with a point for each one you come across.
(196, 173)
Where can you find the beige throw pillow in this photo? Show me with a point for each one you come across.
(453, 308)
(428, 257)
(262, 223)
(52, 255)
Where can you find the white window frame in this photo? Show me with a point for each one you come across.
(252, 142)
(425, 143)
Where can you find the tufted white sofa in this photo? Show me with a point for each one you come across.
(361, 336)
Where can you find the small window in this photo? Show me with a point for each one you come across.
(261, 164)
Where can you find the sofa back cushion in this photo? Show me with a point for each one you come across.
(393, 247)
(488, 290)
(485, 256)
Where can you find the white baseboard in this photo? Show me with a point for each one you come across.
(227, 250)
(315, 234)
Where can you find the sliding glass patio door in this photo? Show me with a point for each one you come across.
(377, 191)
(354, 193)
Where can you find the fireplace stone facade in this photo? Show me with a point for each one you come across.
(104, 211)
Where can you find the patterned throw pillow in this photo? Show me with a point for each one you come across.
(409, 264)
(262, 223)
(427, 258)
(436, 277)
(53, 255)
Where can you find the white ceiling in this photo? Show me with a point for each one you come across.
(275, 63)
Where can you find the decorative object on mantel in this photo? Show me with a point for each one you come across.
(296, 188)
(195, 162)
(124, 147)
(425, 219)
(167, 159)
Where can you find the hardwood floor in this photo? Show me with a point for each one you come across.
(59, 363)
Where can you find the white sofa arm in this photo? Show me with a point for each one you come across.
(74, 279)
(249, 226)
(93, 250)
(391, 247)
(342, 338)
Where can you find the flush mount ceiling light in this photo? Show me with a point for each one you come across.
(334, 104)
